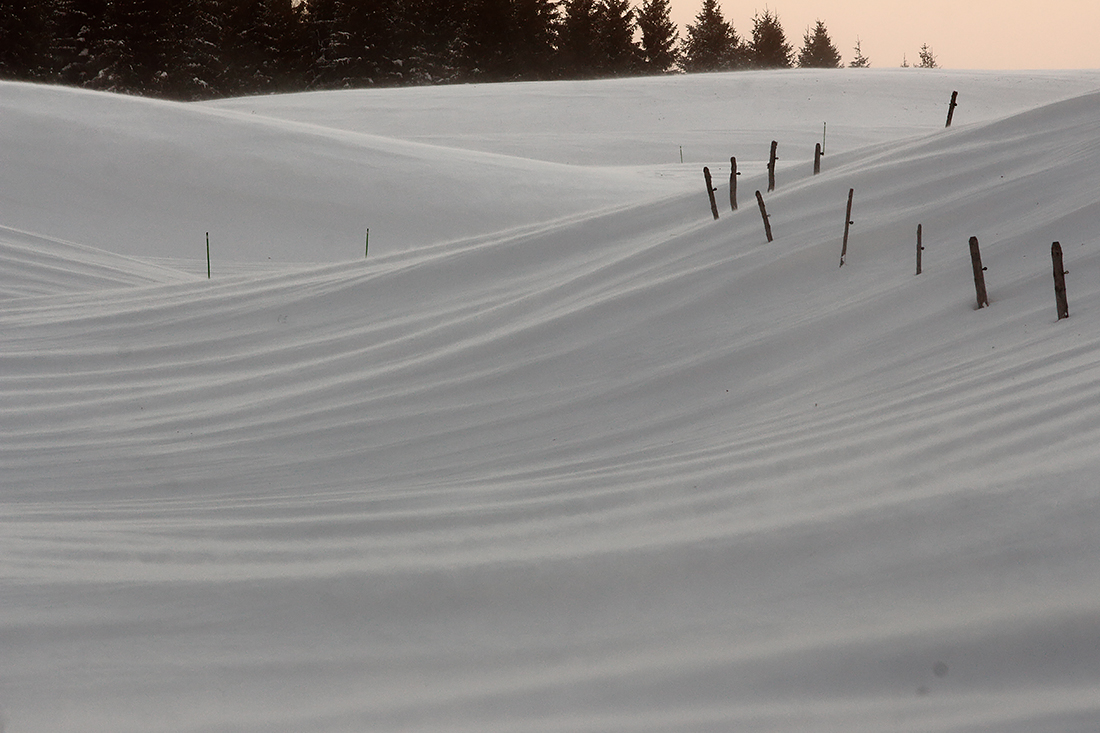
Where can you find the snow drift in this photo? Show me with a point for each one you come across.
(563, 453)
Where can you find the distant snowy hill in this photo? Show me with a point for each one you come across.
(562, 453)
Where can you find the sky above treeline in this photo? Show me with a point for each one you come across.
(966, 34)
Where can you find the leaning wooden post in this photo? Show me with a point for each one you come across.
(920, 247)
(979, 273)
(710, 192)
(771, 167)
(733, 183)
(764, 216)
(1059, 281)
(208, 255)
(847, 223)
(951, 107)
(817, 159)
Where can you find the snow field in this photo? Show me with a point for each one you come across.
(563, 453)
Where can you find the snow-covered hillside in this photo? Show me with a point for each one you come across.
(563, 453)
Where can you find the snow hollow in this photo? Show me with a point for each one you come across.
(562, 452)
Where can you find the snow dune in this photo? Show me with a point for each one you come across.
(564, 453)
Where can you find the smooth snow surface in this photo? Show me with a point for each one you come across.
(563, 454)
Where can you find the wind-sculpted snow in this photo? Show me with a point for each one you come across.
(616, 467)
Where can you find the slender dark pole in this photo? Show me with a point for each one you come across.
(920, 248)
(817, 159)
(1059, 281)
(366, 244)
(208, 255)
(733, 183)
(771, 167)
(764, 216)
(951, 108)
(979, 273)
(710, 192)
(847, 223)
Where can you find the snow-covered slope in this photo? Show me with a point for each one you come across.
(564, 453)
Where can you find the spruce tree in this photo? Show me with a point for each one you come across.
(578, 38)
(24, 40)
(769, 49)
(818, 51)
(265, 46)
(927, 58)
(486, 39)
(619, 54)
(77, 33)
(534, 35)
(659, 36)
(860, 61)
(711, 43)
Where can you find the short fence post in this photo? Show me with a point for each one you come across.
(771, 167)
(979, 273)
(951, 107)
(733, 183)
(817, 159)
(710, 192)
(920, 247)
(366, 244)
(764, 216)
(847, 223)
(1059, 281)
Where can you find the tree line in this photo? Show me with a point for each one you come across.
(197, 49)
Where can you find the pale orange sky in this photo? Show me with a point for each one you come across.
(964, 34)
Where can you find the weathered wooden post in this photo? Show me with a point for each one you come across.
(764, 216)
(710, 192)
(208, 255)
(733, 183)
(366, 244)
(920, 247)
(847, 223)
(1059, 281)
(771, 167)
(979, 273)
(951, 107)
(817, 159)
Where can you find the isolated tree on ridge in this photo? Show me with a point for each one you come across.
(927, 58)
(860, 61)
(818, 51)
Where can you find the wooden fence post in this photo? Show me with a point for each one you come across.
(979, 273)
(208, 255)
(1059, 281)
(366, 244)
(847, 223)
(920, 247)
(951, 108)
(817, 159)
(771, 167)
(764, 216)
(710, 192)
(733, 183)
